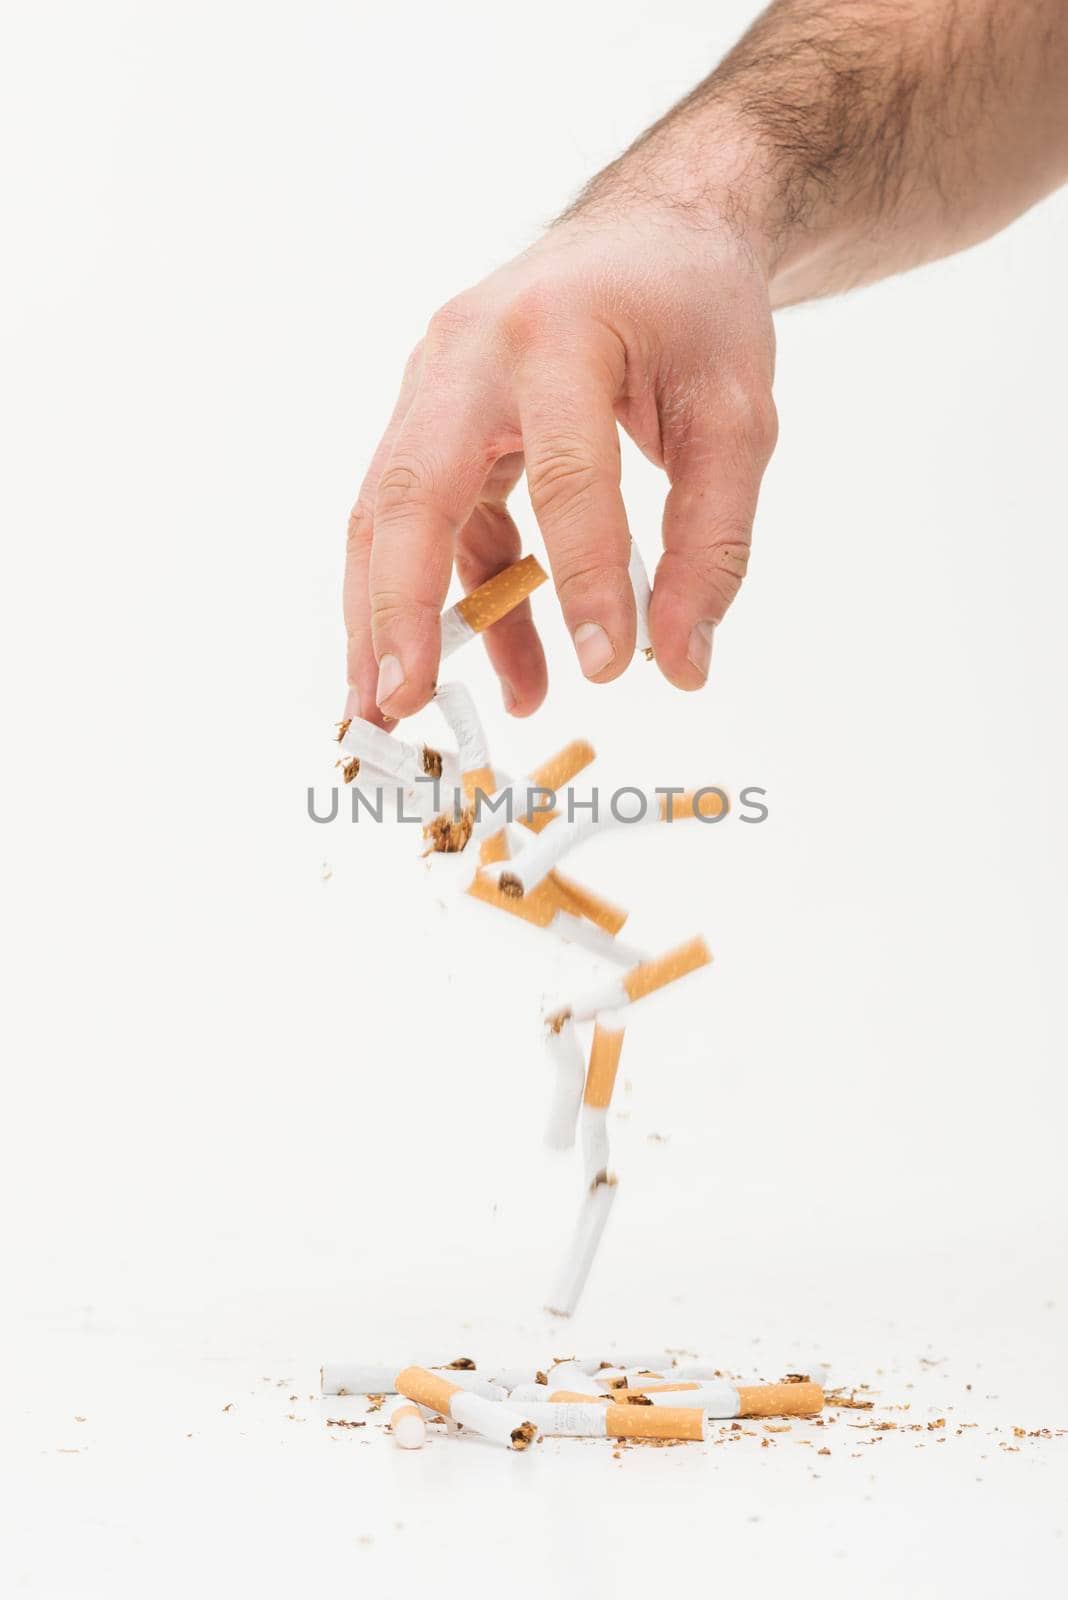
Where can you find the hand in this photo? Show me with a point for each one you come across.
(641, 317)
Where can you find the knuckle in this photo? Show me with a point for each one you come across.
(562, 480)
(360, 528)
(400, 484)
(578, 576)
(450, 322)
(528, 315)
(752, 417)
(721, 568)
(392, 609)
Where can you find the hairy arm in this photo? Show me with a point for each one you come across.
(868, 136)
(838, 142)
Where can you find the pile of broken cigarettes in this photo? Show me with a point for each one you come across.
(637, 1397)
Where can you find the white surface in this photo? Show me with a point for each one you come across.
(225, 1153)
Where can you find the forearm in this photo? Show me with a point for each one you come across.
(850, 139)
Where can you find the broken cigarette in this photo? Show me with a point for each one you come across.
(592, 1220)
(597, 1094)
(493, 1419)
(565, 1051)
(527, 800)
(640, 981)
(387, 757)
(643, 594)
(723, 1399)
(594, 1419)
(490, 602)
(408, 1426)
(349, 1377)
(629, 808)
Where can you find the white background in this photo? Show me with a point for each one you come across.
(259, 1113)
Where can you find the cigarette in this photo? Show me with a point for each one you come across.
(595, 1420)
(524, 799)
(454, 702)
(723, 1399)
(348, 1377)
(408, 1426)
(589, 1229)
(597, 1095)
(586, 904)
(565, 1051)
(387, 756)
(493, 1419)
(574, 930)
(639, 808)
(490, 602)
(639, 579)
(639, 982)
(621, 1365)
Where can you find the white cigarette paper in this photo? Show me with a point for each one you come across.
(457, 707)
(348, 1377)
(570, 1375)
(569, 1064)
(592, 1220)
(639, 579)
(573, 930)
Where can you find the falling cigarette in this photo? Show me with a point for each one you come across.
(640, 981)
(630, 808)
(490, 602)
(493, 1419)
(723, 1399)
(593, 1217)
(639, 578)
(565, 1051)
(597, 1094)
(575, 930)
(408, 1426)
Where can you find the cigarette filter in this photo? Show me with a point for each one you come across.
(597, 1095)
(639, 579)
(569, 1071)
(589, 1229)
(490, 1418)
(490, 602)
(724, 1399)
(640, 981)
(583, 902)
(408, 1427)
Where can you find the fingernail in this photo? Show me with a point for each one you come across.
(508, 695)
(700, 651)
(594, 648)
(352, 705)
(390, 678)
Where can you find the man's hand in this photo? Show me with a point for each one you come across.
(640, 320)
(839, 141)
